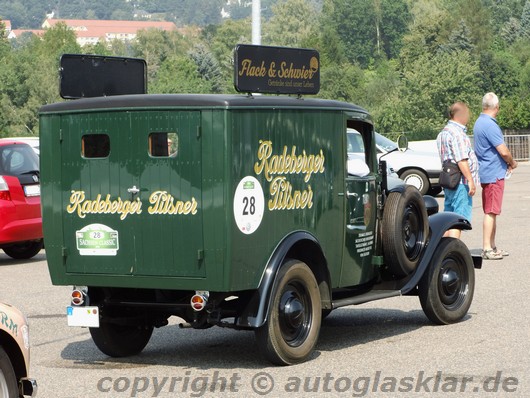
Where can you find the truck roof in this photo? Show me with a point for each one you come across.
(196, 101)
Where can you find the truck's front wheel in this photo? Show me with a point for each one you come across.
(446, 289)
(293, 322)
(117, 340)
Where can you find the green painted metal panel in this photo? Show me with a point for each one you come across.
(159, 229)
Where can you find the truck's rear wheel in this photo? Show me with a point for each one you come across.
(8, 380)
(24, 250)
(293, 323)
(117, 340)
(405, 230)
(446, 289)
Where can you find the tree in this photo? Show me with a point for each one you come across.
(355, 24)
(459, 39)
(178, 74)
(395, 18)
(525, 21)
(510, 31)
(291, 23)
(222, 40)
(431, 84)
(341, 82)
(155, 46)
(208, 67)
(500, 73)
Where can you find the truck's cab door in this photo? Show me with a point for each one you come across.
(360, 209)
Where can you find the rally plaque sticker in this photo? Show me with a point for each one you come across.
(249, 204)
(97, 240)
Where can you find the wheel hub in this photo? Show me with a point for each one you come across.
(411, 236)
(292, 310)
(452, 283)
(294, 316)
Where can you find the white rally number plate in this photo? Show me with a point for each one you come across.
(83, 316)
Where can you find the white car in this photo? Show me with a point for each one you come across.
(417, 168)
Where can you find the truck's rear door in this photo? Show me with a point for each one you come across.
(133, 193)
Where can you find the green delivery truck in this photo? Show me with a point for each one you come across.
(239, 211)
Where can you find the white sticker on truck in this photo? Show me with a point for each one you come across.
(97, 240)
(249, 204)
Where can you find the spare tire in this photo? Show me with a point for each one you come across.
(405, 230)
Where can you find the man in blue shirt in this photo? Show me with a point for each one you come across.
(495, 163)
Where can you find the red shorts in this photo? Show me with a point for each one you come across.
(492, 197)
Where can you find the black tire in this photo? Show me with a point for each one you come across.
(8, 379)
(405, 230)
(289, 338)
(24, 250)
(117, 340)
(416, 178)
(446, 289)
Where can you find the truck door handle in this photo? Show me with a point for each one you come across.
(351, 195)
(133, 190)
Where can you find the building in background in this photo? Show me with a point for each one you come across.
(90, 31)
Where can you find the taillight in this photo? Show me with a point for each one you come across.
(4, 190)
(78, 295)
(199, 299)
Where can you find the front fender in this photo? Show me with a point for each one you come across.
(438, 224)
(255, 313)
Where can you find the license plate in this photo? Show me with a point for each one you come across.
(83, 316)
(32, 190)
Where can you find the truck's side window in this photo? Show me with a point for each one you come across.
(95, 146)
(163, 144)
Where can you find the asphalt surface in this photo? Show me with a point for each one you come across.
(385, 349)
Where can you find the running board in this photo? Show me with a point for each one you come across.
(366, 297)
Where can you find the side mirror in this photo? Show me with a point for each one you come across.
(403, 143)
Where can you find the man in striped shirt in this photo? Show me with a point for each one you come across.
(454, 145)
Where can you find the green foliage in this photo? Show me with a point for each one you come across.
(431, 84)
(404, 61)
(179, 74)
(524, 31)
(292, 22)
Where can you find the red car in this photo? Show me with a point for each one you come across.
(20, 215)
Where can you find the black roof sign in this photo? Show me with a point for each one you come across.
(276, 70)
(85, 76)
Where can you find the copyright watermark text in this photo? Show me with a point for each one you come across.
(264, 383)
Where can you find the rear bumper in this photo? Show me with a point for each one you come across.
(13, 229)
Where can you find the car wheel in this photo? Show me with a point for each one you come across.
(293, 323)
(8, 379)
(446, 289)
(117, 340)
(405, 230)
(24, 250)
(416, 178)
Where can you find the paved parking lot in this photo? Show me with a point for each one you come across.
(386, 348)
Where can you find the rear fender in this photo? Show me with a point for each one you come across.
(299, 245)
(438, 224)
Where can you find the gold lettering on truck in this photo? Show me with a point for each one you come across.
(276, 167)
(164, 203)
(82, 206)
(161, 203)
